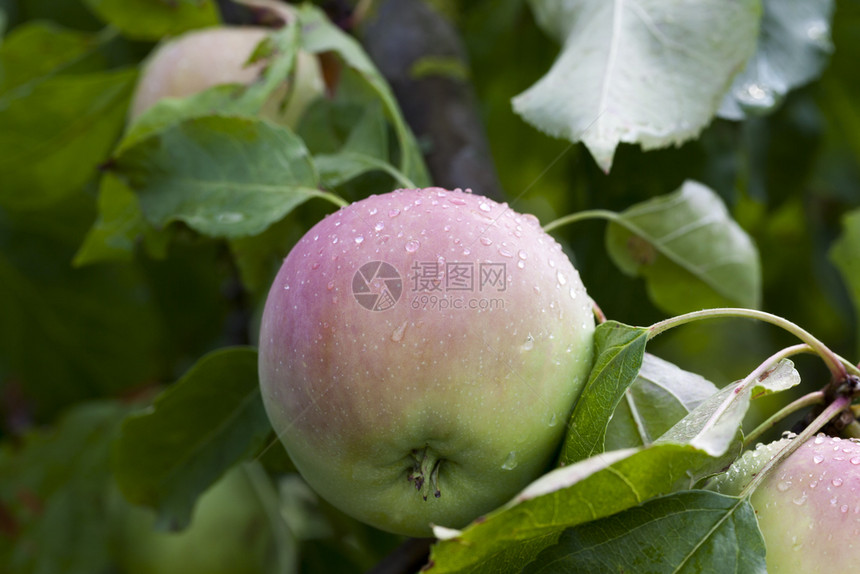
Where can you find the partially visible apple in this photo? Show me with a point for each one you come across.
(808, 508)
(420, 354)
(229, 534)
(201, 59)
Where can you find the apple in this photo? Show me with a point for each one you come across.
(808, 508)
(229, 533)
(419, 356)
(201, 59)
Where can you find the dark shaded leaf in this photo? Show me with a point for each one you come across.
(709, 532)
(152, 19)
(53, 489)
(55, 136)
(196, 429)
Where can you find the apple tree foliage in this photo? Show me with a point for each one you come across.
(719, 168)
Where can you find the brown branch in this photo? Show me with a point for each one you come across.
(408, 557)
(416, 48)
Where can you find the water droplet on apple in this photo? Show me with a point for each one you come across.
(393, 212)
(836, 482)
(397, 335)
(510, 462)
(486, 241)
(562, 280)
(817, 459)
(412, 246)
(529, 343)
(359, 239)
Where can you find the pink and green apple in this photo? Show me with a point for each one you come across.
(808, 508)
(420, 354)
(200, 59)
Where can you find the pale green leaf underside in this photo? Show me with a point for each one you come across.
(661, 395)
(689, 249)
(651, 72)
(793, 48)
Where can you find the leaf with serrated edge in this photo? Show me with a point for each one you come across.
(709, 532)
(196, 429)
(661, 395)
(223, 176)
(650, 72)
(618, 355)
(692, 254)
(507, 539)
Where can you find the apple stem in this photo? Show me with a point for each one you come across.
(830, 412)
(580, 216)
(599, 315)
(838, 368)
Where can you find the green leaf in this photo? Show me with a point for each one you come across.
(53, 490)
(223, 176)
(319, 35)
(661, 395)
(709, 532)
(55, 136)
(119, 224)
(650, 73)
(366, 149)
(618, 352)
(793, 48)
(152, 19)
(690, 251)
(98, 326)
(507, 539)
(196, 429)
(845, 254)
(37, 50)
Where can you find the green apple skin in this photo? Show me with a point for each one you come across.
(201, 59)
(808, 508)
(229, 534)
(424, 414)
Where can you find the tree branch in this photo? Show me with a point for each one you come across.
(420, 54)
